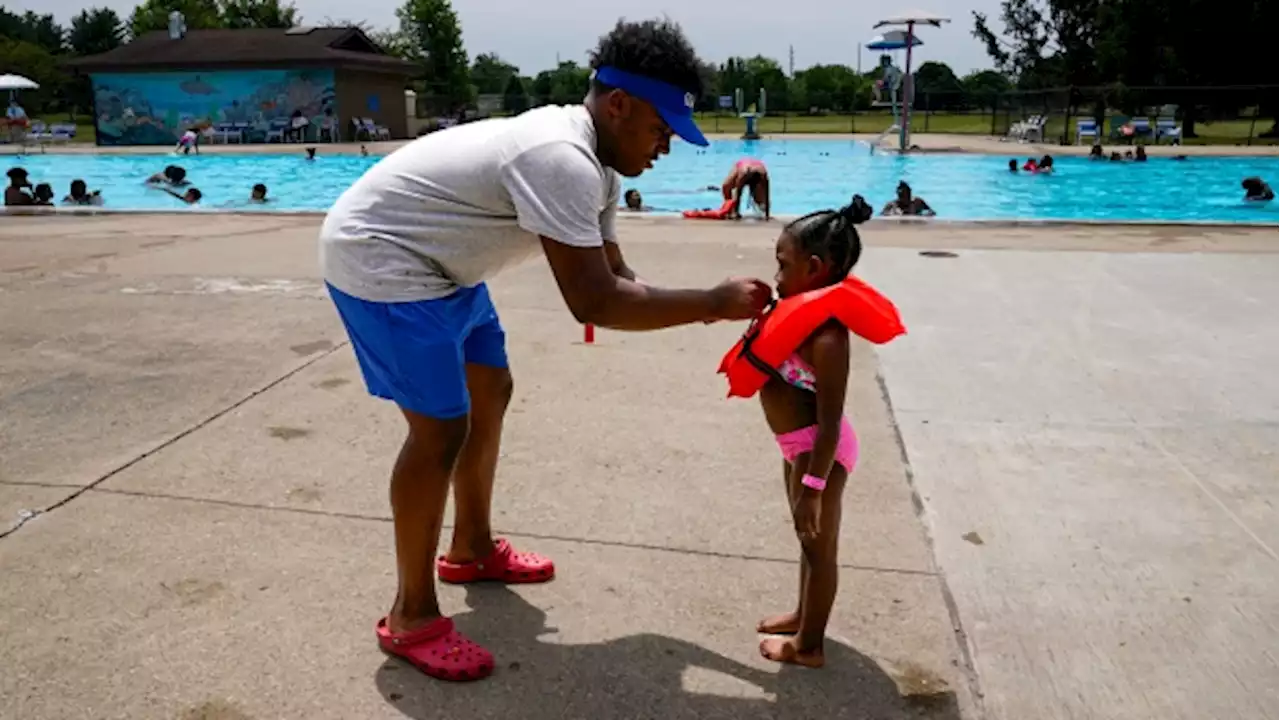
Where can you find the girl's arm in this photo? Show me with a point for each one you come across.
(831, 370)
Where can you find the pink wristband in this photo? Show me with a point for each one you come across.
(814, 482)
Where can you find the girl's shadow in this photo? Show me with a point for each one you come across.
(639, 676)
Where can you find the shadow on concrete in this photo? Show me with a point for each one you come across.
(642, 676)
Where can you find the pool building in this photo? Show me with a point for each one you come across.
(256, 85)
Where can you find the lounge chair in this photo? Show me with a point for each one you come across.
(37, 134)
(62, 134)
(1141, 127)
(1167, 127)
(1086, 128)
(375, 131)
(1018, 130)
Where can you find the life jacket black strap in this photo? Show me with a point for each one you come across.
(749, 338)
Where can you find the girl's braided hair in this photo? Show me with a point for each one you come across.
(832, 235)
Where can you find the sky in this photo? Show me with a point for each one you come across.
(531, 34)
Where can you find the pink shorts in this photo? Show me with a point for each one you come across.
(798, 442)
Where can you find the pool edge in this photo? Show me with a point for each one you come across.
(665, 218)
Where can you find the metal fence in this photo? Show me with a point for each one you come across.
(1221, 115)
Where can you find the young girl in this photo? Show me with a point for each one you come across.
(804, 406)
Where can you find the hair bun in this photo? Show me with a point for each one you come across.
(857, 211)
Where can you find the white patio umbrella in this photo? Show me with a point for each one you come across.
(17, 82)
(910, 18)
(914, 17)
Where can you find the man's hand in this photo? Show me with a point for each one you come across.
(740, 298)
(806, 514)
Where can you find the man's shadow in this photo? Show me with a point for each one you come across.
(641, 676)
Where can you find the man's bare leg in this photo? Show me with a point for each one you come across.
(419, 490)
(490, 389)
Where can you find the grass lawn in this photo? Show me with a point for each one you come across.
(85, 131)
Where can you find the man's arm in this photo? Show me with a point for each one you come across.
(557, 193)
(596, 295)
(617, 263)
(609, 230)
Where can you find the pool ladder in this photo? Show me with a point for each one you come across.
(880, 140)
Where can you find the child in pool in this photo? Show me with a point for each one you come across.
(804, 407)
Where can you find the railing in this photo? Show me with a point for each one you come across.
(1208, 115)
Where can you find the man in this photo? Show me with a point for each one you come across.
(16, 194)
(749, 175)
(16, 121)
(405, 252)
(905, 204)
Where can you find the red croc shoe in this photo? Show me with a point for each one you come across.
(438, 650)
(504, 564)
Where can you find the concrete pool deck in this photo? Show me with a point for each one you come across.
(927, 142)
(1067, 506)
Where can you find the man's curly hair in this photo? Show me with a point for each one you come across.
(656, 49)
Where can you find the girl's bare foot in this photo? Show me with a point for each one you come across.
(784, 624)
(787, 650)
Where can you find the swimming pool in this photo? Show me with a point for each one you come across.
(807, 174)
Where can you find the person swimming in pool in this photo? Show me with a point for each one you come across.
(259, 194)
(16, 193)
(906, 204)
(80, 195)
(171, 175)
(752, 176)
(1255, 190)
(633, 202)
(190, 197)
(43, 194)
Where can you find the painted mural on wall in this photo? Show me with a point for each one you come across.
(156, 108)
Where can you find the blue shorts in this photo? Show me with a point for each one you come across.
(415, 353)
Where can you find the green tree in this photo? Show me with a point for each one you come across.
(936, 87)
(490, 74)
(981, 88)
(565, 85)
(752, 75)
(826, 87)
(36, 63)
(435, 41)
(515, 96)
(154, 15)
(239, 14)
(39, 30)
(95, 31)
(1046, 43)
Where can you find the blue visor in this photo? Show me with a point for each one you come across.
(673, 104)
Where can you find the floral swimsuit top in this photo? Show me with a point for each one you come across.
(798, 373)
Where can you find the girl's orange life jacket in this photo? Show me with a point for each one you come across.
(774, 336)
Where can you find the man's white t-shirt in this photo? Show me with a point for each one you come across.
(455, 207)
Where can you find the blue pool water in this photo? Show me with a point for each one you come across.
(807, 174)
